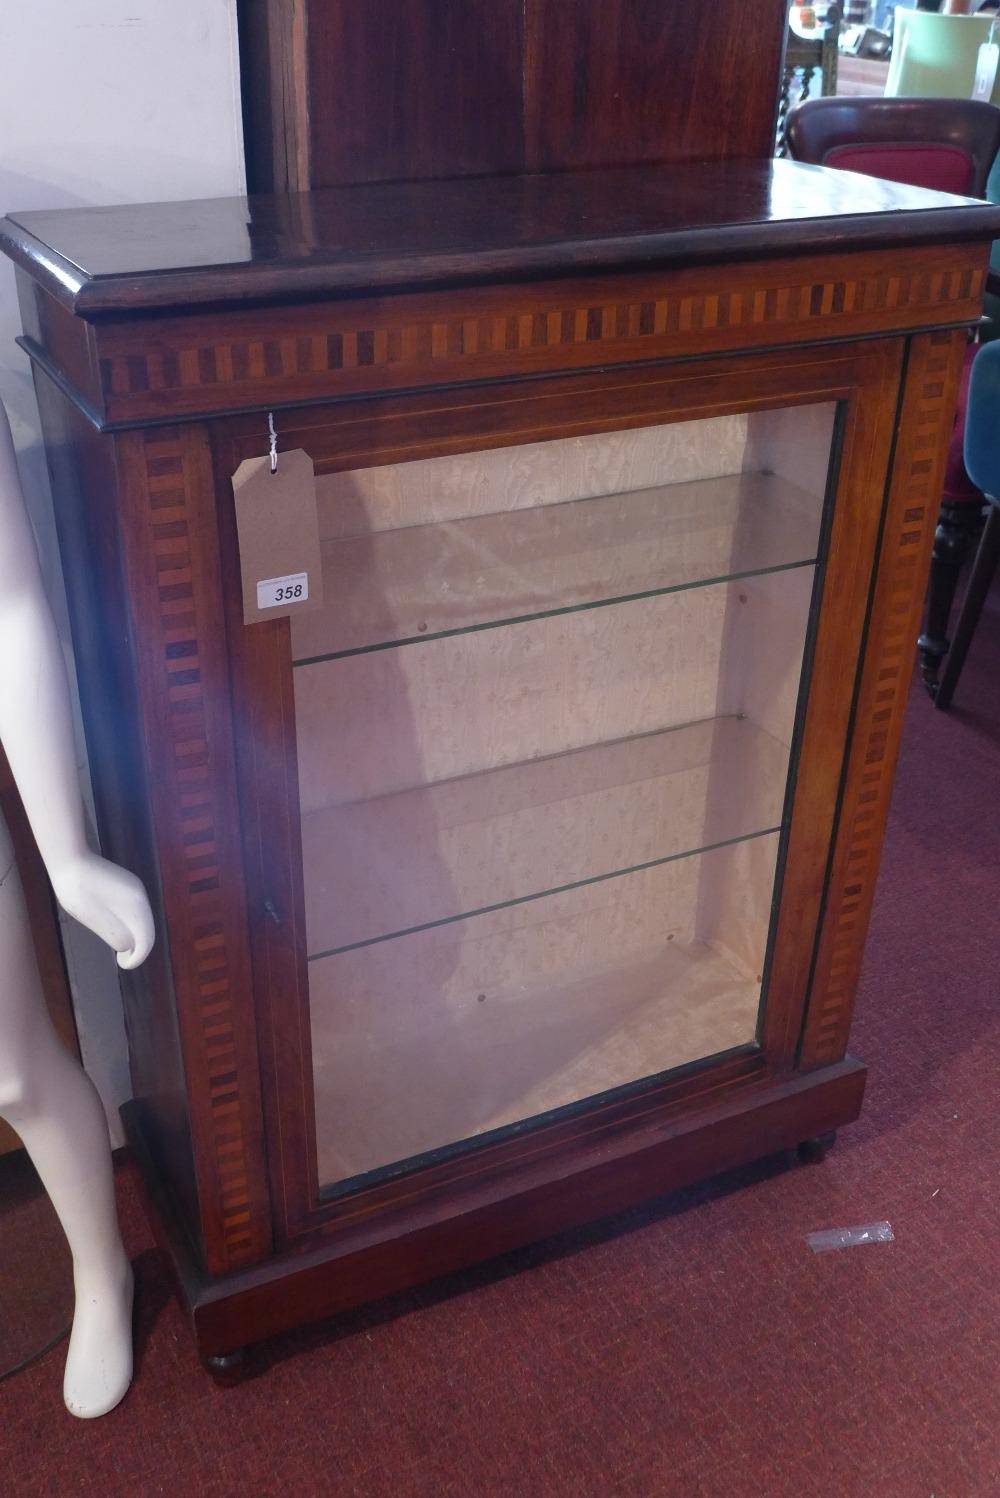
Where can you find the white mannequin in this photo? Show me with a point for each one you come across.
(44, 1093)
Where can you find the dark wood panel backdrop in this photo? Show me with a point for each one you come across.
(370, 90)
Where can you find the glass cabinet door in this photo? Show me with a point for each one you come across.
(544, 725)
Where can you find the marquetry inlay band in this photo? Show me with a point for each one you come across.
(208, 971)
(910, 523)
(347, 347)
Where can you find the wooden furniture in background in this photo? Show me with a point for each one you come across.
(316, 1117)
(948, 144)
(805, 57)
(861, 77)
(44, 926)
(528, 877)
(982, 459)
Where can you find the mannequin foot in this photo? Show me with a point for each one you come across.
(99, 1361)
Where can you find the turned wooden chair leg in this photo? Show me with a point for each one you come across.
(983, 570)
(957, 525)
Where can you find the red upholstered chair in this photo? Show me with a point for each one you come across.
(949, 145)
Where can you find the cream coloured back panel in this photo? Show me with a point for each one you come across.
(389, 586)
(761, 654)
(794, 442)
(371, 724)
(734, 903)
(395, 862)
(518, 478)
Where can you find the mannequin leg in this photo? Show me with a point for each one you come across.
(48, 1099)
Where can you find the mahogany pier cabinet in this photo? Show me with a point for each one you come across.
(528, 875)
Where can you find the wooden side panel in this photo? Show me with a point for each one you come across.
(374, 90)
(915, 488)
(261, 675)
(648, 80)
(173, 574)
(274, 96)
(853, 542)
(81, 465)
(67, 341)
(198, 364)
(402, 89)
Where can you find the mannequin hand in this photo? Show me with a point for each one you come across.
(109, 901)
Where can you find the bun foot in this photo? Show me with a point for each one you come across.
(811, 1150)
(227, 1368)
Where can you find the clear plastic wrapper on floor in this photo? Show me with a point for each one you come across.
(824, 1241)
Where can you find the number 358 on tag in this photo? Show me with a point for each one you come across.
(275, 591)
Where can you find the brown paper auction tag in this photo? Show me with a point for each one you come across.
(278, 532)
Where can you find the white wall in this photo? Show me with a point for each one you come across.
(105, 101)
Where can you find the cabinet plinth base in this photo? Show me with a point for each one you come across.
(355, 1265)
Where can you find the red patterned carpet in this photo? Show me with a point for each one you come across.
(697, 1349)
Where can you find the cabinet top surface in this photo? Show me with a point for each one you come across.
(139, 257)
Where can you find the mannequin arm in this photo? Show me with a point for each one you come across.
(36, 730)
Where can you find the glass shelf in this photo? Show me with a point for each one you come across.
(381, 867)
(458, 1030)
(423, 582)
